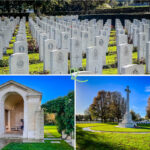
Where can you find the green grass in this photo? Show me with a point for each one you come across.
(110, 141)
(48, 130)
(112, 127)
(51, 130)
(38, 146)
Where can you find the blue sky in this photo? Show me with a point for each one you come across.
(51, 87)
(139, 86)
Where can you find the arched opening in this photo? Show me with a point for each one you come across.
(14, 114)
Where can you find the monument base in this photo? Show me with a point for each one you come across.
(126, 125)
(127, 121)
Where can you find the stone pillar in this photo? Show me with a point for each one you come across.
(127, 100)
(25, 130)
(9, 120)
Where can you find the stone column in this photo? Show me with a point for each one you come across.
(127, 100)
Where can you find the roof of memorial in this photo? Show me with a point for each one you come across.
(11, 82)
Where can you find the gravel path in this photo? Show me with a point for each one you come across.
(88, 129)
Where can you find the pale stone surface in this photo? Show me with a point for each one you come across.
(124, 53)
(133, 69)
(59, 62)
(42, 39)
(49, 45)
(32, 115)
(20, 47)
(19, 63)
(148, 57)
(75, 53)
(141, 46)
(127, 120)
(93, 61)
(1, 49)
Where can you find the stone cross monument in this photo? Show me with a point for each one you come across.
(127, 120)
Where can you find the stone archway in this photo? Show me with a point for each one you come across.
(13, 114)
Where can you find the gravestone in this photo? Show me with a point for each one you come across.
(93, 61)
(19, 63)
(49, 45)
(42, 39)
(100, 44)
(59, 62)
(85, 41)
(64, 41)
(148, 57)
(121, 39)
(75, 53)
(20, 37)
(135, 37)
(1, 48)
(133, 69)
(141, 46)
(124, 53)
(20, 47)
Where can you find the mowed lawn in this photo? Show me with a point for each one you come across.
(112, 127)
(87, 140)
(51, 130)
(38, 146)
(47, 145)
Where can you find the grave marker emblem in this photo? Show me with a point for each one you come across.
(101, 42)
(20, 63)
(21, 49)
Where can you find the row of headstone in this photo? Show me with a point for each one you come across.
(19, 60)
(7, 27)
(74, 36)
(139, 34)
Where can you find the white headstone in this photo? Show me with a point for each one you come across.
(19, 63)
(75, 53)
(20, 47)
(59, 62)
(133, 69)
(124, 55)
(49, 45)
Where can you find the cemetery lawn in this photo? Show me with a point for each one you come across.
(48, 131)
(110, 141)
(39, 146)
(112, 127)
(51, 130)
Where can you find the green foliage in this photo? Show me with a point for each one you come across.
(148, 109)
(135, 116)
(64, 109)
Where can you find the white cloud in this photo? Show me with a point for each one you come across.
(147, 89)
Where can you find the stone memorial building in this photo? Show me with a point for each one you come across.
(21, 115)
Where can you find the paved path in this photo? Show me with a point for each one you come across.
(88, 129)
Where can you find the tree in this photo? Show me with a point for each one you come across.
(107, 106)
(63, 107)
(135, 116)
(87, 115)
(49, 118)
(148, 109)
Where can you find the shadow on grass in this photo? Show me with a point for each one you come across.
(90, 141)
